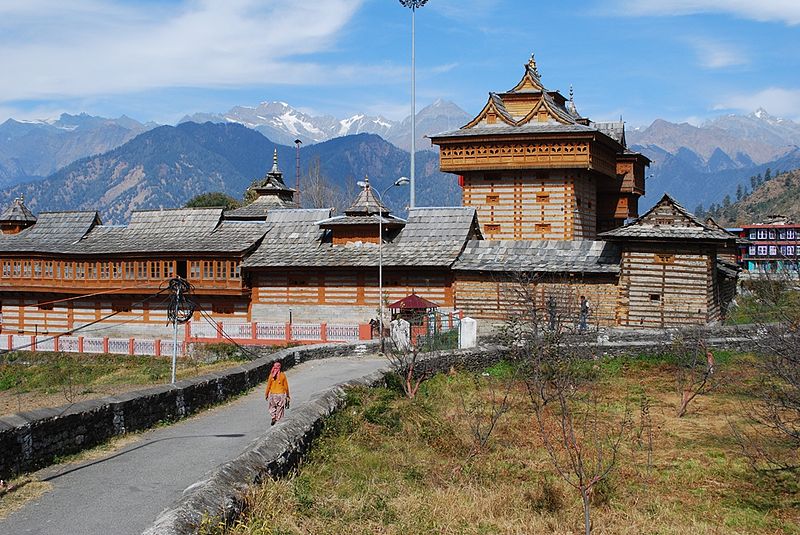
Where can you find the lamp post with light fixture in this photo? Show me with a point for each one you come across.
(402, 181)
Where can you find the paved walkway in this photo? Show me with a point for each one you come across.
(123, 492)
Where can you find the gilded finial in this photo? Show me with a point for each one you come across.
(532, 64)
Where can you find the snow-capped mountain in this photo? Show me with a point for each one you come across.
(283, 124)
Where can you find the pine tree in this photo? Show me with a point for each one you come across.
(698, 211)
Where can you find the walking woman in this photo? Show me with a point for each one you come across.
(277, 393)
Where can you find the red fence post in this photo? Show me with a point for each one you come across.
(323, 332)
(364, 331)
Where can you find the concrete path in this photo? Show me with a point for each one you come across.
(123, 492)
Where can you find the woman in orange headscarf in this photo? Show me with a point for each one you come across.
(277, 393)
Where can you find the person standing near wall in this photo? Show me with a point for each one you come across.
(583, 318)
(277, 393)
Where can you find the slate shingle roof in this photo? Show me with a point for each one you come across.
(432, 237)
(667, 220)
(545, 256)
(258, 209)
(54, 232)
(150, 232)
(17, 213)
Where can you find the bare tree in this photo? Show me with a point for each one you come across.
(771, 436)
(582, 442)
(581, 439)
(318, 192)
(695, 369)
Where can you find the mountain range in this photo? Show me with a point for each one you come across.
(283, 124)
(166, 166)
(701, 164)
(31, 150)
(117, 165)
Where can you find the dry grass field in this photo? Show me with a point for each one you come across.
(386, 464)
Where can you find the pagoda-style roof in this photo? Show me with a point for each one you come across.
(668, 220)
(272, 183)
(530, 108)
(17, 213)
(367, 209)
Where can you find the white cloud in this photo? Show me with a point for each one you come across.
(57, 49)
(786, 11)
(716, 54)
(776, 100)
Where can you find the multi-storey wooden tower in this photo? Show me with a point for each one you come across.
(534, 168)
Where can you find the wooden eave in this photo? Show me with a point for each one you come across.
(634, 157)
(535, 112)
(527, 81)
(490, 105)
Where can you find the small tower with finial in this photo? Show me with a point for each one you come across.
(16, 217)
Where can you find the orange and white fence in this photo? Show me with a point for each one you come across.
(250, 333)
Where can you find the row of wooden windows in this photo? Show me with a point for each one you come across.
(150, 270)
(771, 234)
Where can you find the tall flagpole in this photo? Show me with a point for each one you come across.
(414, 5)
(413, 196)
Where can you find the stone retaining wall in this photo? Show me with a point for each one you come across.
(33, 439)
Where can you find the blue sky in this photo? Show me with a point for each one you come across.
(682, 60)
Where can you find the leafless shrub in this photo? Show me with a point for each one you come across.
(405, 364)
(484, 410)
(695, 369)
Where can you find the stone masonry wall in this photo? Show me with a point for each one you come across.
(31, 440)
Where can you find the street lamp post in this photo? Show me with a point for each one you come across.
(402, 181)
(413, 5)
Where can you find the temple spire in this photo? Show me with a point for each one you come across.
(532, 64)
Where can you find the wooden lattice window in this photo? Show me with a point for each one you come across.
(664, 258)
(121, 306)
(222, 308)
